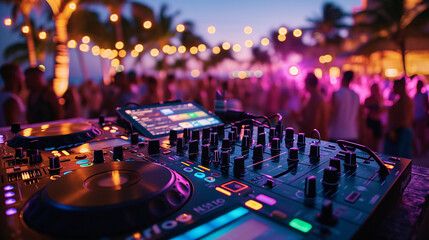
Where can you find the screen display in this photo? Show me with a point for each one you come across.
(157, 120)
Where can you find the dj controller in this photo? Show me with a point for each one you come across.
(238, 181)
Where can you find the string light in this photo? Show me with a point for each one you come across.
(248, 43)
(181, 49)
(297, 32)
(281, 38)
(202, 47)
(147, 24)
(180, 28)
(193, 50)
(248, 30)
(8, 22)
(265, 41)
(236, 48)
(216, 50)
(226, 46)
(114, 17)
(72, 44)
(42, 35)
(119, 45)
(139, 48)
(25, 29)
(154, 52)
(211, 29)
(282, 31)
(86, 39)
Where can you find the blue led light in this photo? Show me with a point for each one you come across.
(87, 165)
(199, 175)
(65, 173)
(213, 224)
(82, 161)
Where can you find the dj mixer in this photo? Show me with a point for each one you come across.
(237, 181)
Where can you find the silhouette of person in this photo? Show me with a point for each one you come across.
(12, 108)
(374, 109)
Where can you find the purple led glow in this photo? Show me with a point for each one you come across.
(11, 211)
(10, 201)
(8, 188)
(9, 194)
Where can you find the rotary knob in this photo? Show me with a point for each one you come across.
(153, 147)
(239, 169)
(326, 216)
(261, 138)
(54, 165)
(180, 146)
(19, 152)
(118, 153)
(186, 134)
(134, 138)
(193, 149)
(214, 141)
(206, 135)
(310, 187)
(224, 164)
(173, 137)
(289, 137)
(205, 155)
(330, 179)
(98, 156)
(226, 145)
(293, 155)
(258, 155)
(314, 153)
(216, 158)
(195, 135)
(272, 134)
(301, 139)
(275, 147)
(336, 163)
(261, 129)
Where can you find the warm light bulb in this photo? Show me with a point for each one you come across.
(147, 24)
(226, 46)
(193, 50)
(114, 17)
(42, 35)
(119, 45)
(216, 50)
(265, 41)
(180, 28)
(195, 73)
(25, 29)
(211, 29)
(248, 43)
(139, 48)
(297, 32)
(248, 30)
(72, 6)
(202, 47)
(281, 38)
(282, 31)
(181, 49)
(8, 22)
(236, 48)
(154, 52)
(72, 44)
(86, 39)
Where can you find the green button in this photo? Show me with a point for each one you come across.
(300, 225)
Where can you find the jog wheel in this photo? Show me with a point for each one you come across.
(107, 199)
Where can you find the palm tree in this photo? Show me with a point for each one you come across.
(24, 7)
(392, 20)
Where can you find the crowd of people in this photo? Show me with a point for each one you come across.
(394, 123)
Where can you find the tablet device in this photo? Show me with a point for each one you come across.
(154, 121)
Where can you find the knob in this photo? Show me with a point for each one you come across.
(272, 134)
(258, 154)
(245, 142)
(193, 149)
(239, 167)
(279, 130)
(250, 128)
(261, 138)
(293, 155)
(314, 152)
(216, 158)
(226, 146)
(15, 127)
(206, 135)
(34, 156)
(19, 152)
(221, 130)
(350, 158)
(153, 147)
(231, 136)
(225, 158)
(275, 146)
(180, 146)
(214, 141)
(269, 183)
(134, 138)
(98, 156)
(247, 132)
(330, 179)
(261, 129)
(336, 163)
(186, 134)
(310, 187)
(326, 216)
(205, 155)
(101, 120)
(289, 136)
(234, 129)
(195, 135)
(54, 165)
(173, 137)
(301, 139)
(118, 153)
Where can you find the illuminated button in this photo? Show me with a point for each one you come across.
(8, 188)
(223, 191)
(278, 214)
(389, 166)
(234, 186)
(199, 175)
(10, 201)
(55, 177)
(300, 225)
(67, 172)
(140, 155)
(65, 152)
(106, 128)
(265, 199)
(188, 169)
(87, 165)
(9, 194)
(11, 211)
(253, 204)
(184, 218)
(82, 161)
(209, 179)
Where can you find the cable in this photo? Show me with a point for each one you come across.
(318, 134)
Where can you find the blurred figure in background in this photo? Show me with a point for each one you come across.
(42, 103)
(400, 119)
(12, 108)
(374, 109)
(314, 111)
(421, 107)
(91, 99)
(152, 95)
(72, 103)
(126, 95)
(345, 112)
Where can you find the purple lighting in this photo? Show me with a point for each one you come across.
(8, 188)
(11, 211)
(9, 194)
(10, 201)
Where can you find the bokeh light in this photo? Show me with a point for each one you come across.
(248, 43)
(211, 29)
(181, 49)
(122, 53)
(84, 47)
(193, 50)
(147, 24)
(42, 35)
(216, 50)
(25, 29)
(282, 31)
(173, 50)
(318, 72)
(195, 73)
(119, 45)
(95, 50)
(265, 41)
(134, 53)
(72, 44)
(139, 48)
(391, 72)
(86, 39)
(248, 30)
(281, 38)
(166, 48)
(114, 17)
(226, 46)
(154, 52)
(202, 47)
(115, 62)
(72, 6)
(297, 32)
(293, 70)
(8, 22)
(236, 48)
(180, 28)
(334, 72)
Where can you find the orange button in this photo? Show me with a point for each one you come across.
(223, 191)
(253, 204)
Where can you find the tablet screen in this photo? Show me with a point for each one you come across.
(155, 121)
